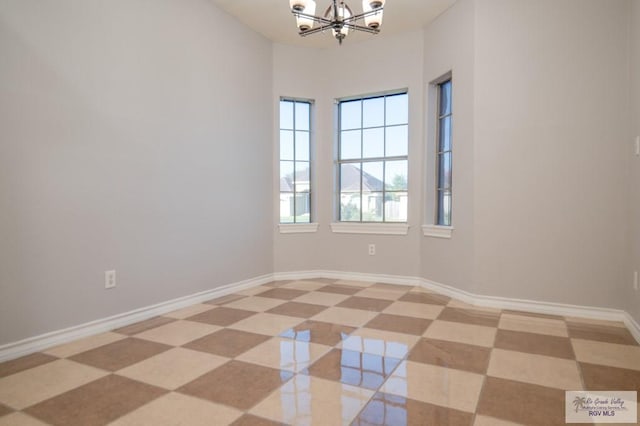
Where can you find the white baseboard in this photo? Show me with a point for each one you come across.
(54, 338)
(44, 341)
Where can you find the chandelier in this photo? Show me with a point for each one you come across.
(338, 18)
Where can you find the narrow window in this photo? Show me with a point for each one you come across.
(443, 148)
(373, 147)
(295, 161)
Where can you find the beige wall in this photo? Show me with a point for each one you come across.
(127, 129)
(633, 297)
(551, 140)
(323, 75)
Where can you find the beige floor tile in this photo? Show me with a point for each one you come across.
(255, 303)
(322, 298)
(189, 311)
(345, 316)
(437, 385)
(253, 290)
(417, 310)
(140, 326)
(610, 354)
(20, 419)
(492, 421)
(535, 369)
(28, 387)
(596, 322)
(178, 333)
(173, 368)
(304, 285)
(377, 293)
(379, 342)
(17, 365)
(462, 333)
(296, 402)
(552, 327)
(285, 354)
(85, 344)
(268, 324)
(177, 409)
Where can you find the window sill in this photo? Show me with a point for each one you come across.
(298, 228)
(370, 228)
(437, 231)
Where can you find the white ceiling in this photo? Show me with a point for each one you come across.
(273, 19)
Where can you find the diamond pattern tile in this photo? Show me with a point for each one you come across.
(323, 352)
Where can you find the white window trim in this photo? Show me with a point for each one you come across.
(370, 228)
(437, 231)
(298, 228)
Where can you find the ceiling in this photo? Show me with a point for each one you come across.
(273, 19)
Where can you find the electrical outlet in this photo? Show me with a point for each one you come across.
(372, 249)
(109, 279)
(635, 281)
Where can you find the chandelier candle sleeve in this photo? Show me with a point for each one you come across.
(338, 17)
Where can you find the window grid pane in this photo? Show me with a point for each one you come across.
(444, 155)
(372, 158)
(295, 161)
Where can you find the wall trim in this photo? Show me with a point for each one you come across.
(44, 341)
(54, 338)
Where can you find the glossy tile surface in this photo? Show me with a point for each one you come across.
(323, 352)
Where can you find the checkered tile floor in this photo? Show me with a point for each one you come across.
(323, 352)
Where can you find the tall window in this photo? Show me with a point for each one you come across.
(295, 161)
(443, 190)
(372, 158)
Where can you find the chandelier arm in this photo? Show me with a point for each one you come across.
(315, 18)
(315, 30)
(362, 28)
(363, 15)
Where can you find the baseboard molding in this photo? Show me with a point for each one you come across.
(54, 338)
(45, 341)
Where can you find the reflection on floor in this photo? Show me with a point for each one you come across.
(323, 352)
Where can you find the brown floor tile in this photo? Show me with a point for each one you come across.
(321, 280)
(120, 354)
(297, 309)
(532, 314)
(340, 289)
(141, 326)
(4, 410)
(96, 403)
(17, 365)
(521, 402)
(221, 316)
(601, 333)
(470, 316)
(399, 324)
(391, 410)
(225, 299)
(319, 332)
(430, 298)
(251, 420)
(451, 354)
(227, 342)
(534, 343)
(237, 384)
(365, 303)
(601, 377)
(354, 368)
(282, 293)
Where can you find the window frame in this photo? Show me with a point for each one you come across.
(369, 226)
(296, 226)
(440, 153)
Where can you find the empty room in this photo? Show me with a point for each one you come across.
(299, 212)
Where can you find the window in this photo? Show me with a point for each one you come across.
(372, 158)
(295, 161)
(443, 151)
